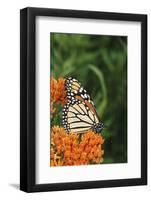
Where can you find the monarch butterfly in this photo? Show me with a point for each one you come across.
(79, 113)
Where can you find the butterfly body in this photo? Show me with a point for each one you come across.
(79, 114)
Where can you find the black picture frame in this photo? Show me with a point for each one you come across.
(28, 98)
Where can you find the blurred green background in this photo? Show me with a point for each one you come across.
(100, 63)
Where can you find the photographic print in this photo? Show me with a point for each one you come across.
(88, 99)
(83, 99)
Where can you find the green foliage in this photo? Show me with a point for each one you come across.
(100, 64)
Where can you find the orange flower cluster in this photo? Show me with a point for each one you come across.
(57, 92)
(75, 149)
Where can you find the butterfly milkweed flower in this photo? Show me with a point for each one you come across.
(57, 91)
(75, 149)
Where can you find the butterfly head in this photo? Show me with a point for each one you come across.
(98, 127)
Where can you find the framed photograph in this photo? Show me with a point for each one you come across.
(83, 99)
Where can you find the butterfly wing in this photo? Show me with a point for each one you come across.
(79, 114)
(74, 88)
(75, 92)
(77, 117)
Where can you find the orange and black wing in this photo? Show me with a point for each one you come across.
(79, 114)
